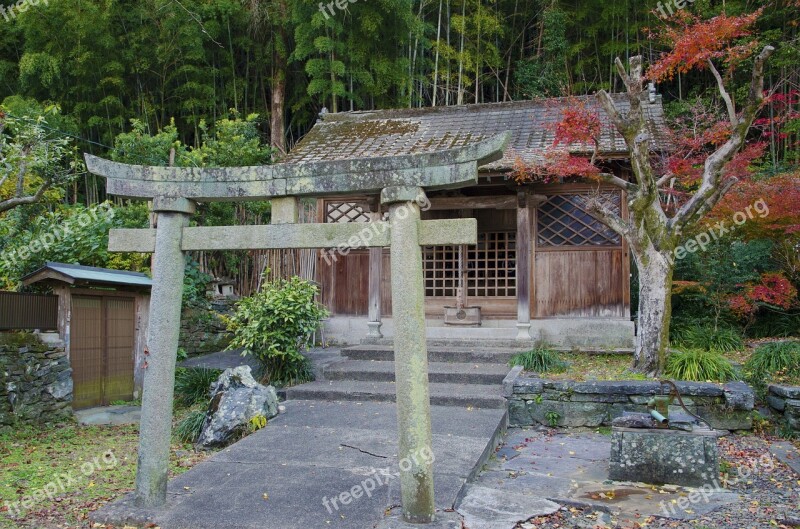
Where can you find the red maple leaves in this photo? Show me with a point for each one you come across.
(693, 42)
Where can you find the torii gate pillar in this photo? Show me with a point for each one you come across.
(410, 354)
(162, 342)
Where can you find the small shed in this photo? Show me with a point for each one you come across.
(102, 320)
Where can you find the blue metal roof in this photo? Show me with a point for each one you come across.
(98, 275)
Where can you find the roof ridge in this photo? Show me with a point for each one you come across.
(350, 115)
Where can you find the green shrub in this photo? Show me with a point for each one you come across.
(540, 360)
(192, 385)
(699, 366)
(775, 358)
(188, 430)
(707, 338)
(273, 325)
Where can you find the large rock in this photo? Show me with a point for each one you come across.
(236, 398)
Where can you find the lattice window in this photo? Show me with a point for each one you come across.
(490, 267)
(440, 270)
(563, 221)
(345, 212)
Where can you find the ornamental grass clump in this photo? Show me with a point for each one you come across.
(540, 360)
(709, 338)
(193, 385)
(699, 366)
(776, 361)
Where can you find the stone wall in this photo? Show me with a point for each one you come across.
(534, 400)
(203, 330)
(35, 381)
(785, 401)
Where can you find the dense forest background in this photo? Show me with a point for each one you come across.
(108, 62)
(239, 82)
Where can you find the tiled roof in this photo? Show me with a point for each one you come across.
(378, 133)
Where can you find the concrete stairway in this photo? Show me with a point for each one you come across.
(461, 373)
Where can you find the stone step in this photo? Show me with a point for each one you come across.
(383, 371)
(494, 345)
(454, 395)
(460, 355)
(465, 342)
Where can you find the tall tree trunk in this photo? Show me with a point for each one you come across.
(655, 310)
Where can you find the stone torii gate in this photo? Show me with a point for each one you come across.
(401, 182)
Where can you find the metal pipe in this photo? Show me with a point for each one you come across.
(658, 417)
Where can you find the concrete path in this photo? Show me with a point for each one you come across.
(538, 469)
(109, 415)
(281, 476)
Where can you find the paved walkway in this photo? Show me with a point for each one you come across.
(280, 476)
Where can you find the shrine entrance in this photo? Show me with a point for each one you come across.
(402, 183)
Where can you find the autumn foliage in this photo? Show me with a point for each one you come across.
(694, 42)
(773, 290)
(782, 196)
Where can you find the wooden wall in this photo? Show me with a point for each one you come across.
(565, 281)
(578, 283)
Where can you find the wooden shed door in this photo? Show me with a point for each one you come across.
(101, 350)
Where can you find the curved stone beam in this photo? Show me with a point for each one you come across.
(438, 170)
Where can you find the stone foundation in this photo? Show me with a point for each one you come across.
(571, 404)
(204, 331)
(35, 381)
(785, 402)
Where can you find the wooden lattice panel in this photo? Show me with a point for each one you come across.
(563, 221)
(490, 267)
(440, 270)
(343, 212)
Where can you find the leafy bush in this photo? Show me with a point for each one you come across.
(194, 286)
(273, 325)
(540, 360)
(699, 366)
(192, 385)
(776, 358)
(188, 430)
(707, 338)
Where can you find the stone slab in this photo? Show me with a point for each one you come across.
(787, 453)
(109, 415)
(787, 392)
(631, 502)
(489, 508)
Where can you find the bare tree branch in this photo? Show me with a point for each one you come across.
(724, 93)
(11, 203)
(716, 161)
(593, 205)
(611, 178)
(664, 179)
